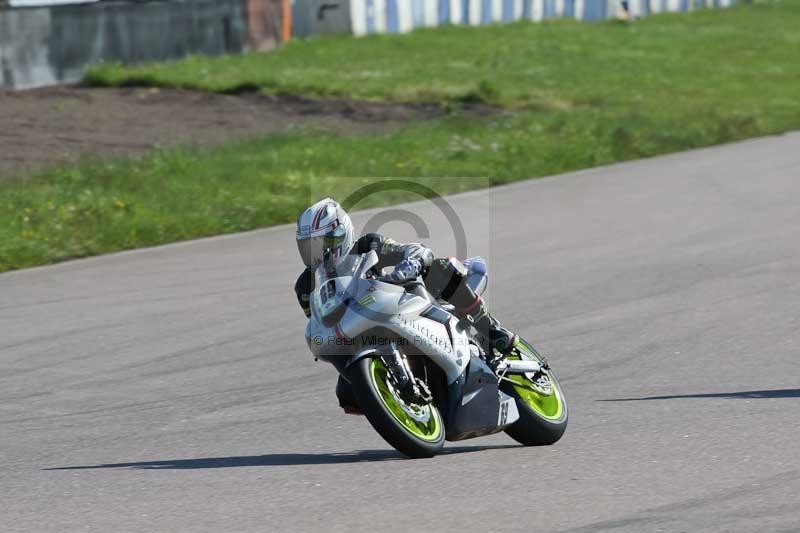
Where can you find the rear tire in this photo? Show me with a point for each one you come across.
(542, 417)
(391, 417)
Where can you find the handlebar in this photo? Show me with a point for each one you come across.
(390, 281)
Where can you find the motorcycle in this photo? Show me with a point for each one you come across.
(418, 372)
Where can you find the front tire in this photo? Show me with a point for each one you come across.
(414, 430)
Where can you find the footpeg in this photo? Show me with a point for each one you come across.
(518, 367)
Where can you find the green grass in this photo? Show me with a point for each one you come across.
(586, 95)
(706, 57)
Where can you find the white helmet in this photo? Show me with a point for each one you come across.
(324, 233)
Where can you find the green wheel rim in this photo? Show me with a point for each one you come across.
(548, 406)
(424, 422)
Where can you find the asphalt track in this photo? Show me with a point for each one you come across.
(170, 389)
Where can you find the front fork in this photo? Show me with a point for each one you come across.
(409, 386)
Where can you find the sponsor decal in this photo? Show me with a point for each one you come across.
(426, 336)
(504, 413)
(366, 300)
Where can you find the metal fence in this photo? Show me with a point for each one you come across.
(363, 17)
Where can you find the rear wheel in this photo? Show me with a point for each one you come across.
(413, 429)
(540, 401)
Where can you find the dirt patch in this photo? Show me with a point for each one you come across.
(57, 124)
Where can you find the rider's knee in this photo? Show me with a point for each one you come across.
(444, 276)
(448, 279)
(477, 277)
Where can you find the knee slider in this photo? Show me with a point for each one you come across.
(447, 277)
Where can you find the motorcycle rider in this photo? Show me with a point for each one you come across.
(325, 233)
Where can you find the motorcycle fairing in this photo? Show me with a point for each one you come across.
(369, 304)
(476, 406)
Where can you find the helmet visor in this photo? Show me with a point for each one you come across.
(322, 248)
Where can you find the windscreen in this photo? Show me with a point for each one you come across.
(331, 283)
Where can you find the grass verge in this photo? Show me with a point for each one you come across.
(176, 194)
(671, 83)
(710, 56)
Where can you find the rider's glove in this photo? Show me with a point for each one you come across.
(405, 270)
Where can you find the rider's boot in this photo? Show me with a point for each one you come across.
(498, 341)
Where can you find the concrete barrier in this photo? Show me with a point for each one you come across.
(312, 17)
(47, 45)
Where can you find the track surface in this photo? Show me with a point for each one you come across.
(170, 389)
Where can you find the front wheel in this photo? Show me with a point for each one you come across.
(415, 430)
(540, 401)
